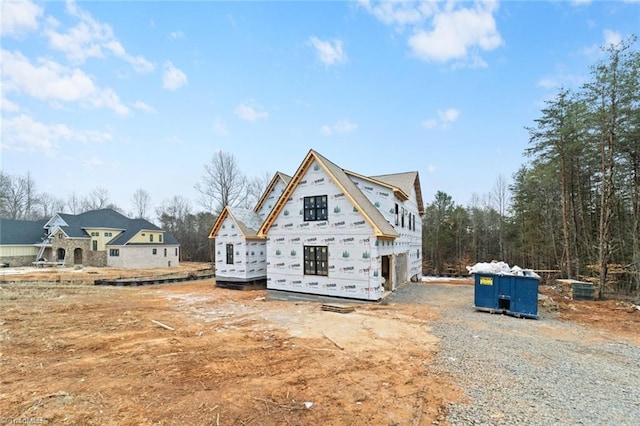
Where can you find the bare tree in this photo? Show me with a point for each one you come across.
(142, 202)
(96, 200)
(18, 196)
(50, 205)
(222, 183)
(74, 203)
(255, 188)
(500, 201)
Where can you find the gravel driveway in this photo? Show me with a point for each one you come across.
(523, 371)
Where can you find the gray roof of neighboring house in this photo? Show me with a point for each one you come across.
(104, 218)
(136, 225)
(74, 232)
(19, 232)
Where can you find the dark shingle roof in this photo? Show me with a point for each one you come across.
(136, 225)
(14, 232)
(28, 232)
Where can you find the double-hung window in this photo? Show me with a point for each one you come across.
(315, 208)
(316, 260)
(229, 254)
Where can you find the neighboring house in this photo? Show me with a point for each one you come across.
(240, 254)
(94, 238)
(18, 239)
(338, 233)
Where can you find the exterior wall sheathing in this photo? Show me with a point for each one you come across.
(249, 257)
(354, 252)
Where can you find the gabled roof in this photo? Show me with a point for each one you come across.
(278, 177)
(137, 225)
(103, 218)
(21, 232)
(247, 221)
(74, 226)
(70, 231)
(405, 182)
(382, 228)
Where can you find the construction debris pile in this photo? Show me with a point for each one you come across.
(500, 268)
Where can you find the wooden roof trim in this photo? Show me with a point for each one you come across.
(284, 197)
(218, 223)
(274, 181)
(418, 190)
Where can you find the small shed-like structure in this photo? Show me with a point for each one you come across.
(240, 254)
(240, 259)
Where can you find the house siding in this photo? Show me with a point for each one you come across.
(141, 256)
(409, 241)
(18, 255)
(353, 267)
(270, 201)
(249, 257)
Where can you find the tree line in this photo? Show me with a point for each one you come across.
(574, 207)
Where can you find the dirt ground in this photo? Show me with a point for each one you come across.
(93, 355)
(615, 317)
(194, 354)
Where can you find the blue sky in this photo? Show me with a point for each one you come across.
(127, 95)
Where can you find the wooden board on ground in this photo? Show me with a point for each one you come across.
(332, 307)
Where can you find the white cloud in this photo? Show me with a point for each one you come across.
(561, 78)
(400, 13)
(23, 133)
(329, 52)
(107, 98)
(449, 115)
(443, 31)
(581, 2)
(250, 111)
(90, 39)
(19, 17)
(172, 77)
(219, 127)
(595, 51)
(431, 168)
(48, 80)
(8, 106)
(93, 162)
(341, 126)
(456, 34)
(612, 38)
(144, 107)
(444, 120)
(430, 123)
(174, 35)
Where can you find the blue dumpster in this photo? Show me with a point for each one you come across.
(509, 294)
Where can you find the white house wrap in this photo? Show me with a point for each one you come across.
(328, 231)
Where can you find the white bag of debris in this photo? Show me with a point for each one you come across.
(500, 268)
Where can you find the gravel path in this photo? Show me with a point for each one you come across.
(523, 371)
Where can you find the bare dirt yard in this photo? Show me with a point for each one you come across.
(192, 353)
